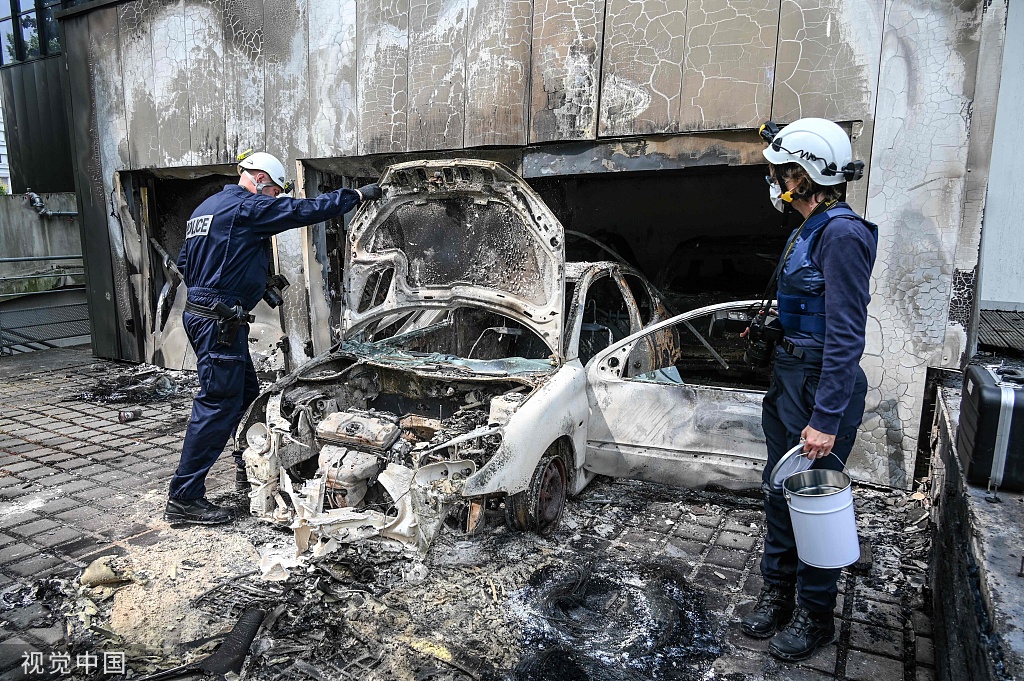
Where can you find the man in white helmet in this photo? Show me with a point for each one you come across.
(225, 263)
(817, 391)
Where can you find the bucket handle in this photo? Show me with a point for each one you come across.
(841, 470)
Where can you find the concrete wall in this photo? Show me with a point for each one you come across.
(187, 83)
(1003, 249)
(24, 233)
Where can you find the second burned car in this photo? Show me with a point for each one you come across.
(478, 374)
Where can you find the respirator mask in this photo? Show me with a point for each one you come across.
(779, 198)
(775, 193)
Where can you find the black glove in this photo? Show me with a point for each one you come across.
(370, 192)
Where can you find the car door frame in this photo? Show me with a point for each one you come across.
(573, 327)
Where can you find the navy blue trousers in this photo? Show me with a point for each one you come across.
(227, 386)
(786, 410)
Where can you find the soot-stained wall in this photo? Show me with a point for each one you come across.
(186, 83)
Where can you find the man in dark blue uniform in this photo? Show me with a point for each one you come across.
(818, 388)
(224, 262)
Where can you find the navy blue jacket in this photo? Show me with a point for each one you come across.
(227, 242)
(845, 253)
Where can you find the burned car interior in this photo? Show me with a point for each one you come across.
(464, 332)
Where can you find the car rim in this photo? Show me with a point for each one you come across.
(551, 495)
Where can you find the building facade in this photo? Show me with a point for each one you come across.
(34, 111)
(570, 94)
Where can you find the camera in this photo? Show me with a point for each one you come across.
(765, 332)
(272, 296)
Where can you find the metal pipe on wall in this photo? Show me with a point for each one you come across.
(36, 202)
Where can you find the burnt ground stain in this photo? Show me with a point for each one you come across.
(138, 388)
(608, 621)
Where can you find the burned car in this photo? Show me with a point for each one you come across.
(481, 374)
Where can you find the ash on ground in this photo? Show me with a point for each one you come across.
(141, 384)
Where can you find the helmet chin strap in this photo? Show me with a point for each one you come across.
(260, 186)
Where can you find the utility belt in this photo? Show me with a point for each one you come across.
(229, 319)
(808, 354)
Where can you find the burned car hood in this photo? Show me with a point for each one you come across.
(453, 232)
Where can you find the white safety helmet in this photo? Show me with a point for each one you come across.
(269, 164)
(820, 146)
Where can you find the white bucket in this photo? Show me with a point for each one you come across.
(821, 508)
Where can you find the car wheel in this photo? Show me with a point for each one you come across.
(539, 508)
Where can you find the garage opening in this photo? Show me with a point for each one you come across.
(701, 235)
(161, 203)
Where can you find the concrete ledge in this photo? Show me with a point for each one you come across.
(978, 592)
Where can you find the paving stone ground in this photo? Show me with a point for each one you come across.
(70, 476)
(72, 479)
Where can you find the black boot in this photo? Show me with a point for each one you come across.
(196, 512)
(803, 635)
(773, 609)
(241, 477)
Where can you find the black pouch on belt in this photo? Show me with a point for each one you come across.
(228, 319)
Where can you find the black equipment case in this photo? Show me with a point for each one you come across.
(990, 438)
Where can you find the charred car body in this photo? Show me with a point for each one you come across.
(479, 372)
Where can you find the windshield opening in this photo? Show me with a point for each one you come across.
(463, 336)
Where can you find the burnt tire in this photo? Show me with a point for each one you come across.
(540, 506)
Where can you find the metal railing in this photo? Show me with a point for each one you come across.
(71, 271)
(41, 258)
(38, 326)
(55, 273)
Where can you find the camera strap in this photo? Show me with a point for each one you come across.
(769, 292)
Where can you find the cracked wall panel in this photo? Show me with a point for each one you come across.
(827, 66)
(642, 75)
(915, 194)
(204, 44)
(286, 50)
(964, 312)
(437, 73)
(828, 59)
(286, 54)
(108, 87)
(383, 40)
(332, 78)
(111, 149)
(171, 87)
(136, 44)
(243, 76)
(498, 72)
(566, 61)
(729, 63)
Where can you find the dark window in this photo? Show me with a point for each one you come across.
(7, 49)
(28, 29)
(29, 35)
(48, 35)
